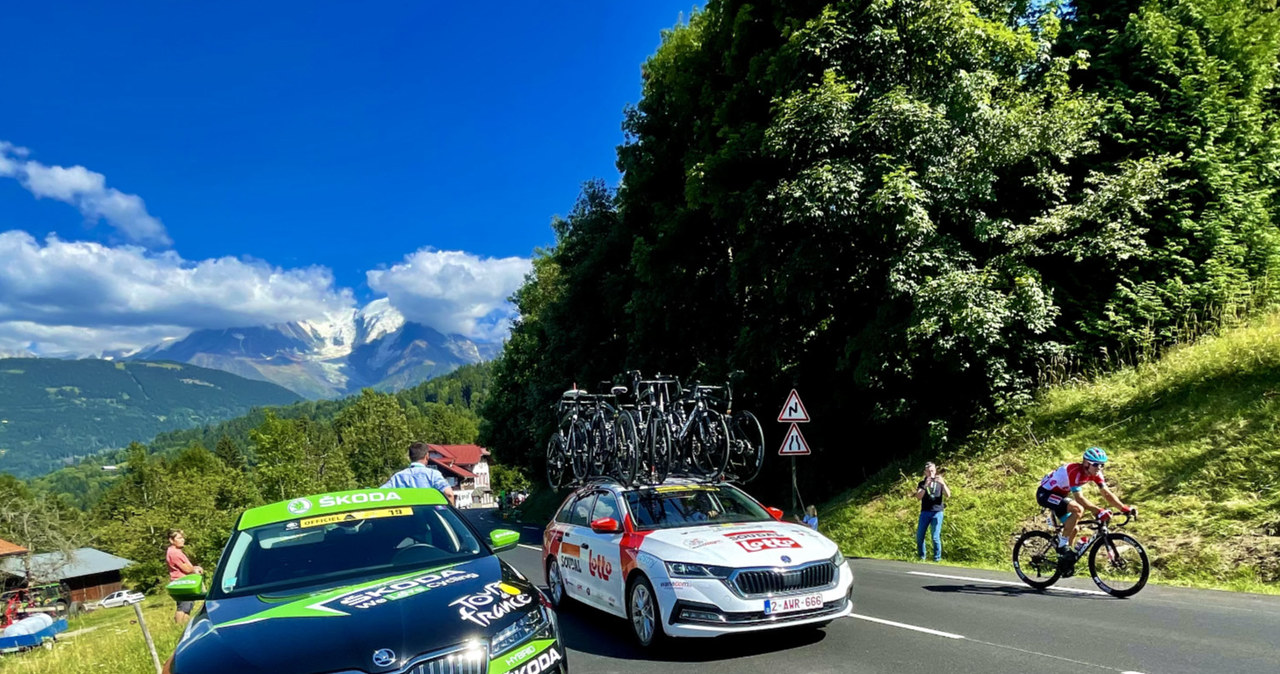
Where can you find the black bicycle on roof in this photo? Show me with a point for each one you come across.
(1118, 563)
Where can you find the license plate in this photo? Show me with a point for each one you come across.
(805, 602)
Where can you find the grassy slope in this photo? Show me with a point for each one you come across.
(115, 645)
(1194, 440)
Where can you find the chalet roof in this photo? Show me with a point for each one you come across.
(51, 566)
(452, 467)
(463, 455)
(7, 548)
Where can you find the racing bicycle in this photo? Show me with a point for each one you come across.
(1118, 563)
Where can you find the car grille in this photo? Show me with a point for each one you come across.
(456, 660)
(764, 582)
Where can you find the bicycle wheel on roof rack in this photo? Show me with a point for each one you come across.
(557, 461)
(746, 447)
(709, 446)
(658, 449)
(626, 448)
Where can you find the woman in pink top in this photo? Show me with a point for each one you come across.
(180, 566)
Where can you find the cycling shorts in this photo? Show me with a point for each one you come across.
(1058, 503)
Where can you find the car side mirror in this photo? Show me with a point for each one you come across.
(777, 513)
(187, 588)
(606, 525)
(504, 539)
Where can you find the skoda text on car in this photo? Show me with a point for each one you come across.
(691, 560)
(373, 581)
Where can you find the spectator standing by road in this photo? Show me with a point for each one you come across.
(179, 566)
(419, 475)
(811, 517)
(931, 491)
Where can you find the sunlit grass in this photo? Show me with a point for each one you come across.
(114, 646)
(1194, 440)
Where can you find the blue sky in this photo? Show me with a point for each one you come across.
(219, 163)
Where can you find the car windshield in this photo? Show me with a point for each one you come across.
(671, 506)
(317, 550)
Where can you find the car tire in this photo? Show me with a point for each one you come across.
(643, 614)
(556, 591)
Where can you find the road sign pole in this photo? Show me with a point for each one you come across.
(795, 489)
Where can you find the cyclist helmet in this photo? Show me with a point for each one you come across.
(1095, 454)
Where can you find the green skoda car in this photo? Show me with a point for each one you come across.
(371, 581)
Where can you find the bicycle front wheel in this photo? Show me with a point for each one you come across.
(627, 448)
(659, 450)
(557, 461)
(746, 448)
(1119, 565)
(709, 450)
(1035, 559)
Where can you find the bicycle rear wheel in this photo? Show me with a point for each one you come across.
(578, 445)
(1119, 565)
(746, 448)
(1035, 559)
(557, 461)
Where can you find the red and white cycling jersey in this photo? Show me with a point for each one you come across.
(1068, 478)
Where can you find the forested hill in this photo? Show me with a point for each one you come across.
(442, 410)
(55, 410)
(911, 211)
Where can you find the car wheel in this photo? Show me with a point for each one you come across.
(643, 613)
(555, 585)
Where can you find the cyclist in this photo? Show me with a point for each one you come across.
(1060, 492)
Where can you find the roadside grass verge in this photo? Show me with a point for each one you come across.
(115, 645)
(1194, 441)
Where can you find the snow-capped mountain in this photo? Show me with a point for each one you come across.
(340, 354)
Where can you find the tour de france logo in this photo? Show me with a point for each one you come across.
(299, 506)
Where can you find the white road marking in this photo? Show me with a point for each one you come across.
(991, 581)
(534, 528)
(905, 626)
(531, 547)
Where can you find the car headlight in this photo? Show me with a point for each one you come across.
(838, 560)
(518, 632)
(686, 570)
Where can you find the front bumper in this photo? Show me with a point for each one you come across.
(708, 608)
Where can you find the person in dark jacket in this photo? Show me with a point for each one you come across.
(931, 491)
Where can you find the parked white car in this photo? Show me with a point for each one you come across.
(686, 559)
(121, 598)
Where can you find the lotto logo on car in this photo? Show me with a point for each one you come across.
(363, 497)
(540, 664)
(497, 600)
(755, 541)
(600, 567)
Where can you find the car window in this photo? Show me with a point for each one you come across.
(673, 506)
(566, 511)
(582, 511)
(606, 506)
(319, 549)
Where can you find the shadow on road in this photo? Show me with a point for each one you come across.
(1008, 591)
(590, 631)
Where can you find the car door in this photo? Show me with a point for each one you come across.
(573, 556)
(604, 557)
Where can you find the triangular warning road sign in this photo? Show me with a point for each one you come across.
(793, 410)
(794, 444)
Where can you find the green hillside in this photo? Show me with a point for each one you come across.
(52, 410)
(1194, 440)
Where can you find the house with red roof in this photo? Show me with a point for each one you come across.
(466, 467)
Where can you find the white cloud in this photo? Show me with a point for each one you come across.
(87, 191)
(60, 297)
(454, 291)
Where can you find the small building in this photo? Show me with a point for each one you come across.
(90, 574)
(466, 467)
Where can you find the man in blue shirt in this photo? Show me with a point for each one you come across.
(418, 475)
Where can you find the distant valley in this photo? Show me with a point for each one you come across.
(54, 411)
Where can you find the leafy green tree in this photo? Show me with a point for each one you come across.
(375, 435)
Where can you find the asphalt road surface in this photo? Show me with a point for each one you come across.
(935, 618)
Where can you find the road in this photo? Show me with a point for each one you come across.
(930, 617)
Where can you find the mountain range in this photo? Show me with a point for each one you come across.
(369, 347)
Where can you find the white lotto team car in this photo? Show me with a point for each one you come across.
(688, 559)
